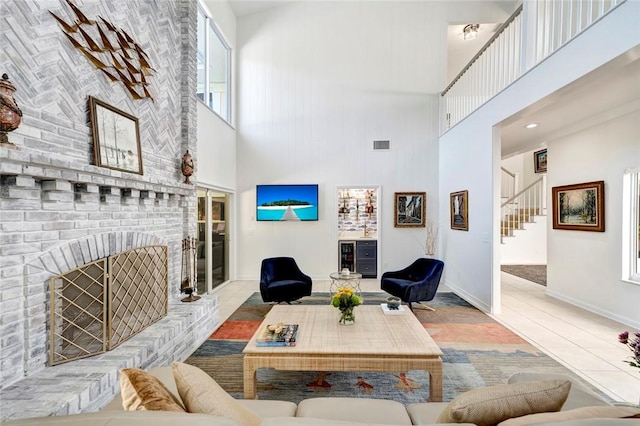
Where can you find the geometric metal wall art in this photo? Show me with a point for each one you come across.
(97, 306)
(111, 50)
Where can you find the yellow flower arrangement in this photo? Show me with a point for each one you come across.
(346, 299)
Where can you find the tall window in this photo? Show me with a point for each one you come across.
(631, 226)
(214, 65)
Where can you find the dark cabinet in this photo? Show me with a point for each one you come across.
(367, 258)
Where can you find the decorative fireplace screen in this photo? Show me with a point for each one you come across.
(97, 306)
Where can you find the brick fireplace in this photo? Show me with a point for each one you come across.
(58, 210)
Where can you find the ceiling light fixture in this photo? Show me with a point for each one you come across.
(531, 125)
(470, 31)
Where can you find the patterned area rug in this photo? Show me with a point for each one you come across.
(533, 273)
(478, 351)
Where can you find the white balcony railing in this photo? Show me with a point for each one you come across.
(534, 31)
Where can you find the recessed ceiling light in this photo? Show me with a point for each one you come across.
(531, 125)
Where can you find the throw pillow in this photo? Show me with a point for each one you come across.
(491, 405)
(142, 391)
(201, 394)
(594, 412)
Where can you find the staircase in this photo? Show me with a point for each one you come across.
(521, 207)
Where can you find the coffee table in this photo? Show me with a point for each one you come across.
(376, 342)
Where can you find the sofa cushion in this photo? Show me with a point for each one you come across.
(270, 408)
(424, 413)
(142, 391)
(125, 418)
(362, 410)
(598, 411)
(491, 405)
(201, 394)
(308, 421)
(579, 395)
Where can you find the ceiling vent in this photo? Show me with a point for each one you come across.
(380, 144)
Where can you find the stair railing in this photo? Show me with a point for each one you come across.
(536, 29)
(531, 201)
(508, 183)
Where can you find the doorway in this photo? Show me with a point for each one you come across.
(213, 239)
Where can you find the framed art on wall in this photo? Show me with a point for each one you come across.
(579, 207)
(409, 209)
(116, 137)
(540, 161)
(459, 202)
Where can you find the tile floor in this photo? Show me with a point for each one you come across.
(584, 342)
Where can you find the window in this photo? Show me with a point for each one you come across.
(631, 226)
(214, 65)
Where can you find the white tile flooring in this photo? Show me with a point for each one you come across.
(583, 342)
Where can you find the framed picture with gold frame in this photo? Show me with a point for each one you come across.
(409, 209)
(116, 137)
(459, 206)
(579, 207)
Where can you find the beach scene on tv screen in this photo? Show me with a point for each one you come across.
(287, 202)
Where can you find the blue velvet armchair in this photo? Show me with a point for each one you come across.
(417, 282)
(281, 280)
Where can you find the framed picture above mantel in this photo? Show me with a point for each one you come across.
(579, 207)
(116, 137)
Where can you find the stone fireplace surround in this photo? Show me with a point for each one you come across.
(57, 215)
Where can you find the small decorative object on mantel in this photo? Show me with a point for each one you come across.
(10, 114)
(111, 50)
(345, 299)
(189, 272)
(187, 167)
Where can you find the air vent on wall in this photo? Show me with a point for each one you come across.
(380, 144)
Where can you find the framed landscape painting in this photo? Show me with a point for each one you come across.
(459, 202)
(540, 161)
(409, 209)
(579, 207)
(116, 137)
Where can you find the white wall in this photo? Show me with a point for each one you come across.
(527, 246)
(585, 268)
(473, 257)
(318, 83)
(522, 164)
(216, 156)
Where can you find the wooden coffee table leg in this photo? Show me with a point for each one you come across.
(249, 368)
(435, 382)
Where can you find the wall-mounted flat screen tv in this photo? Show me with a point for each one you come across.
(286, 202)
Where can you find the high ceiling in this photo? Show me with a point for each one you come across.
(610, 91)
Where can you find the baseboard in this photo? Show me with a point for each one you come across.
(468, 297)
(611, 315)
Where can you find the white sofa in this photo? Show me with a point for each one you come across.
(328, 411)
